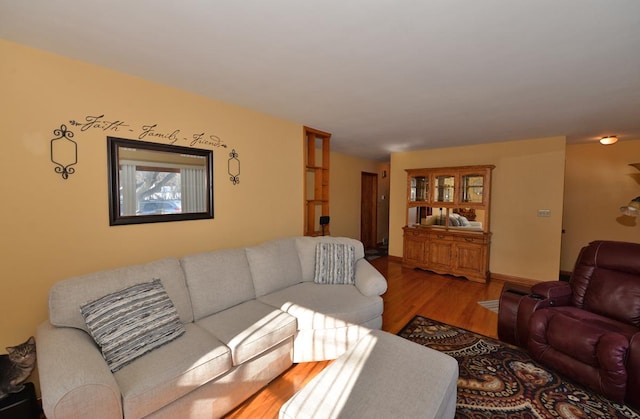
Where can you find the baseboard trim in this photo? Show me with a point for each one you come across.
(565, 275)
(514, 279)
(497, 276)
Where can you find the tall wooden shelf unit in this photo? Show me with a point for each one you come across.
(436, 238)
(317, 157)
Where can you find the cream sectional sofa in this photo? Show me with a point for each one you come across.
(248, 314)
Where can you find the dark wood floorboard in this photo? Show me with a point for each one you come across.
(410, 292)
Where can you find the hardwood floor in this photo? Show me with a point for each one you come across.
(410, 292)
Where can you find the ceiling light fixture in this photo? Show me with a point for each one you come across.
(609, 139)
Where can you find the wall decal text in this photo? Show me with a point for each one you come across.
(148, 131)
(141, 132)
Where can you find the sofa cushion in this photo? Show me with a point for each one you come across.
(132, 322)
(306, 247)
(217, 280)
(274, 265)
(250, 328)
(66, 297)
(320, 306)
(175, 369)
(335, 264)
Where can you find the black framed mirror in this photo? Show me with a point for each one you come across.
(151, 182)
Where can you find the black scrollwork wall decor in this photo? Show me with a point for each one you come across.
(234, 167)
(64, 152)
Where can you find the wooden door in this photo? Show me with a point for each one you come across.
(369, 210)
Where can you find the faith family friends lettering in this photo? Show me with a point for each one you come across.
(148, 132)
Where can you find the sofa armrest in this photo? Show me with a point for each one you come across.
(557, 293)
(75, 380)
(519, 302)
(369, 280)
(543, 295)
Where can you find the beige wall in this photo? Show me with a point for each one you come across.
(54, 228)
(344, 199)
(598, 181)
(529, 175)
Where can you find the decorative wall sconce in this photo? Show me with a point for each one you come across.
(632, 209)
(64, 152)
(234, 167)
(608, 140)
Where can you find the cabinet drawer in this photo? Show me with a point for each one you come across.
(415, 232)
(467, 239)
(440, 236)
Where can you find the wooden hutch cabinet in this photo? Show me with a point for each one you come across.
(447, 227)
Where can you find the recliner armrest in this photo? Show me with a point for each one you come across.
(558, 293)
(510, 299)
(518, 303)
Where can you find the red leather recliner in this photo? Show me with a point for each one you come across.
(587, 328)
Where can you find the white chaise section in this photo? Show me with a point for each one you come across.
(382, 376)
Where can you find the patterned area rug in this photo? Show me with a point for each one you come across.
(498, 380)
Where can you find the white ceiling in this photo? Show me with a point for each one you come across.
(380, 75)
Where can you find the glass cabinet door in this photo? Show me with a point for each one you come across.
(472, 188)
(443, 188)
(419, 188)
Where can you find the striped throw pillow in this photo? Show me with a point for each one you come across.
(335, 264)
(132, 322)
